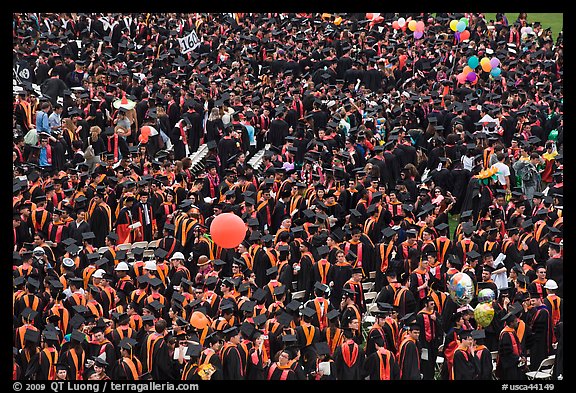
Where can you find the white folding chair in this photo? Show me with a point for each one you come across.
(367, 286)
(298, 295)
(370, 296)
(439, 361)
(154, 243)
(372, 275)
(102, 250)
(545, 369)
(124, 246)
(142, 244)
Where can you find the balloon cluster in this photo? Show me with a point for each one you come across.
(484, 312)
(415, 26)
(469, 74)
(459, 27)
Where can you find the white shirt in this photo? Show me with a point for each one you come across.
(503, 171)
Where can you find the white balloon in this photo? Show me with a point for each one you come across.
(401, 22)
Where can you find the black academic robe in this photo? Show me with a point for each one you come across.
(540, 322)
(195, 132)
(485, 366)
(430, 338)
(100, 223)
(342, 273)
(275, 373)
(231, 362)
(349, 361)
(409, 360)
(375, 361)
(465, 365)
(507, 361)
(123, 370)
(304, 277)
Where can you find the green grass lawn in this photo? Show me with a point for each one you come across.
(554, 21)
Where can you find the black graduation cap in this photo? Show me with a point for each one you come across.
(260, 319)
(28, 314)
(478, 334)
(194, 350)
(128, 343)
(77, 336)
(230, 332)
(259, 295)
(307, 312)
(332, 315)
(279, 290)
(408, 318)
(472, 255)
(322, 348)
(88, 236)
(32, 336)
(156, 305)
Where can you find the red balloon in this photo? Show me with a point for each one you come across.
(395, 25)
(464, 35)
(228, 230)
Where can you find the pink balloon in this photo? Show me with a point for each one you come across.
(418, 34)
(471, 77)
(494, 62)
(420, 26)
(461, 77)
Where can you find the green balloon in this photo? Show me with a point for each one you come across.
(465, 20)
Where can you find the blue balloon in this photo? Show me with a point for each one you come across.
(495, 71)
(473, 62)
(460, 26)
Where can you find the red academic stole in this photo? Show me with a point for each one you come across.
(115, 151)
(420, 276)
(49, 153)
(358, 262)
(349, 357)
(213, 182)
(284, 374)
(428, 324)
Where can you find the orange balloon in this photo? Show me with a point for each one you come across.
(144, 134)
(199, 320)
(486, 67)
(412, 25)
(464, 35)
(227, 230)
(467, 70)
(369, 15)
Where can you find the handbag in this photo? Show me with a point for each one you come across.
(31, 137)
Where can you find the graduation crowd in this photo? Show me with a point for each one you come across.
(381, 173)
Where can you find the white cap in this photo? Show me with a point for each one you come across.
(122, 266)
(150, 265)
(68, 262)
(177, 255)
(99, 273)
(39, 250)
(551, 284)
